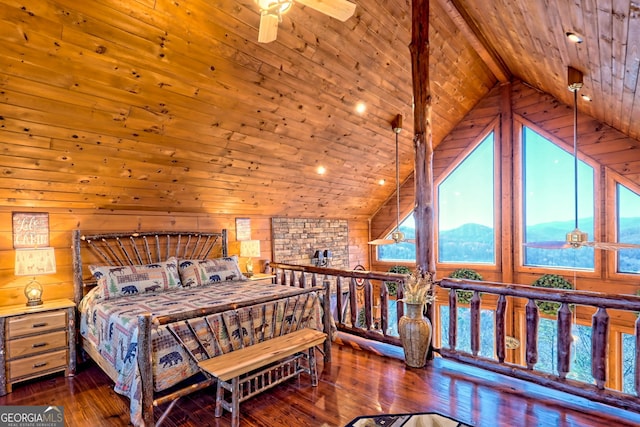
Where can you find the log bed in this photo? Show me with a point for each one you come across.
(233, 321)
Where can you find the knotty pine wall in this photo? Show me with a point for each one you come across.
(62, 222)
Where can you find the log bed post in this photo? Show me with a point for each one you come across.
(423, 143)
(145, 366)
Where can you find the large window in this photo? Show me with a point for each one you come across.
(466, 209)
(549, 203)
(404, 251)
(628, 229)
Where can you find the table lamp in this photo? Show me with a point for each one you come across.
(249, 249)
(34, 262)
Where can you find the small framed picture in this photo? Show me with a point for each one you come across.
(243, 229)
(30, 229)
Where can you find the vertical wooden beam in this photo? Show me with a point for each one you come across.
(423, 145)
(422, 139)
(507, 183)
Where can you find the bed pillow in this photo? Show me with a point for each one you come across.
(194, 272)
(120, 281)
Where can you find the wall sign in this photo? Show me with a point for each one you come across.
(243, 229)
(30, 229)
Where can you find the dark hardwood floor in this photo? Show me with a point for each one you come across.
(360, 380)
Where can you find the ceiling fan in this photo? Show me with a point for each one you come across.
(271, 12)
(397, 236)
(577, 239)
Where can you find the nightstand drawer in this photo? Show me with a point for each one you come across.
(37, 323)
(35, 364)
(36, 344)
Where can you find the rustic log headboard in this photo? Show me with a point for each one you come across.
(141, 248)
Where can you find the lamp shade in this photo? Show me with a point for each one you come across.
(250, 248)
(35, 261)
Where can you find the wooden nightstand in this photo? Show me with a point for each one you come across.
(262, 278)
(36, 341)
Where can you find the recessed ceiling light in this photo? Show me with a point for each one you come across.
(574, 37)
(381, 182)
(361, 107)
(321, 170)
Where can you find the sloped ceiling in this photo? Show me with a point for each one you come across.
(174, 106)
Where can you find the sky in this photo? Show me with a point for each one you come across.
(466, 195)
(469, 190)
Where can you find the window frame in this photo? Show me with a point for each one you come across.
(612, 179)
(494, 127)
(518, 225)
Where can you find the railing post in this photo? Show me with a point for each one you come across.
(368, 304)
(565, 337)
(532, 320)
(453, 318)
(599, 344)
(353, 302)
(636, 380)
(475, 323)
(500, 324)
(327, 321)
(339, 309)
(384, 309)
(302, 281)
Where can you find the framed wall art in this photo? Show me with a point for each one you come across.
(243, 229)
(30, 229)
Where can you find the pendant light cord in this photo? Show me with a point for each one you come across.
(397, 186)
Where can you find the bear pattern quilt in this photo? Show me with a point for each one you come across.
(111, 326)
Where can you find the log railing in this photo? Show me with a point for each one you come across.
(359, 299)
(600, 302)
(354, 296)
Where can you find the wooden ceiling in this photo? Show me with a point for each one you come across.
(170, 105)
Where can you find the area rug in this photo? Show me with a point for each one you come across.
(424, 419)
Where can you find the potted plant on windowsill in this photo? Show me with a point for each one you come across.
(554, 281)
(464, 297)
(414, 328)
(392, 287)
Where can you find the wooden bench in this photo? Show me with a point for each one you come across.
(250, 370)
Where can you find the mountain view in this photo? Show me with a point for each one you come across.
(475, 243)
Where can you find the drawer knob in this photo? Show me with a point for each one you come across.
(39, 325)
(40, 344)
(39, 365)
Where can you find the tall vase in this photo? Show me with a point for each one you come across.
(415, 334)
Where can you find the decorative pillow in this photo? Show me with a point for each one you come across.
(194, 272)
(119, 281)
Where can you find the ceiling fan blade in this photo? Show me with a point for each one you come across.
(339, 9)
(268, 27)
(557, 244)
(379, 242)
(612, 246)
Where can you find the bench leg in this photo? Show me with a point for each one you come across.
(235, 402)
(313, 369)
(219, 398)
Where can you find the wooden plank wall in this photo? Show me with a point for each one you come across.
(63, 222)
